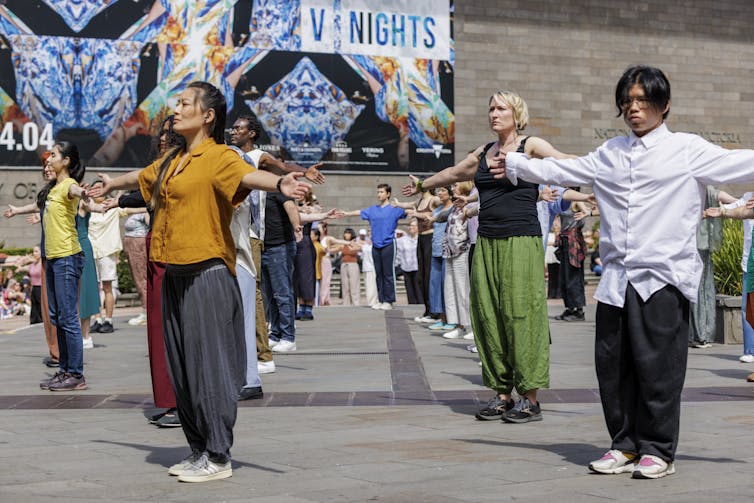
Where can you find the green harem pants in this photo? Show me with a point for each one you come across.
(509, 313)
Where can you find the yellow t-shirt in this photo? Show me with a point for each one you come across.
(59, 221)
(192, 223)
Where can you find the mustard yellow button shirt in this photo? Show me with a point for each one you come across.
(192, 222)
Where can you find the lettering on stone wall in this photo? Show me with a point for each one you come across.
(717, 137)
(25, 191)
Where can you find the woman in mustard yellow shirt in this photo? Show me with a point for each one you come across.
(193, 192)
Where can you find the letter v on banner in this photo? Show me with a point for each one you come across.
(317, 28)
(418, 29)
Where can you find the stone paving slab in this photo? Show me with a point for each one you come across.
(371, 408)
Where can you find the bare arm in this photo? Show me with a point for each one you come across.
(275, 165)
(289, 186)
(128, 181)
(464, 170)
(405, 206)
(12, 211)
(740, 213)
(539, 148)
(293, 215)
(305, 218)
(725, 198)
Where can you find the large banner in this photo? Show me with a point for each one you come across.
(361, 85)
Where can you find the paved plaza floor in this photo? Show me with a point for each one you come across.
(372, 407)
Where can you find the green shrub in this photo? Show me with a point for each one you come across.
(16, 251)
(125, 280)
(727, 261)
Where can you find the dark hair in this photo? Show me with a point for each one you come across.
(76, 169)
(210, 97)
(655, 84)
(385, 186)
(42, 194)
(173, 139)
(317, 233)
(351, 231)
(254, 125)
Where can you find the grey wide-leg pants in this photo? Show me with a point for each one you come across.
(206, 352)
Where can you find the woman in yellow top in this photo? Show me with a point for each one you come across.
(65, 261)
(193, 192)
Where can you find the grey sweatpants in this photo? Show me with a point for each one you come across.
(206, 351)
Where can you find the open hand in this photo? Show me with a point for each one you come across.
(410, 189)
(313, 174)
(714, 212)
(294, 188)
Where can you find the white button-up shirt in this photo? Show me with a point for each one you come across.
(651, 191)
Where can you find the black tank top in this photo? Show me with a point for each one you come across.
(506, 210)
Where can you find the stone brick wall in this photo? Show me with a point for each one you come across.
(565, 56)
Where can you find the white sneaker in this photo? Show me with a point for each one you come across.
(138, 320)
(266, 367)
(284, 346)
(453, 334)
(425, 319)
(747, 358)
(472, 348)
(185, 464)
(89, 343)
(701, 345)
(204, 470)
(469, 336)
(652, 467)
(376, 306)
(612, 462)
(386, 306)
(272, 343)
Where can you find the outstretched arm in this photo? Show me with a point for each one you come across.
(129, 181)
(305, 218)
(461, 172)
(12, 211)
(289, 185)
(275, 165)
(740, 213)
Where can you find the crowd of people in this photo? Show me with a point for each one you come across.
(481, 238)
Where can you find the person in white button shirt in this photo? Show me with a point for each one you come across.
(650, 187)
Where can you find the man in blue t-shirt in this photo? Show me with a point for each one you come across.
(383, 219)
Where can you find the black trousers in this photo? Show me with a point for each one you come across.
(36, 305)
(424, 257)
(571, 280)
(640, 355)
(413, 287)
(553, 281)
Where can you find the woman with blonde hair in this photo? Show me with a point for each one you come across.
(507, 302)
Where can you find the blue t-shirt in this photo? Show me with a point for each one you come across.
(383, 220)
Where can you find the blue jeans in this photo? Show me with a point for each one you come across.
(748, 330)
(277, 288)
(437, 286)
(63, 276)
